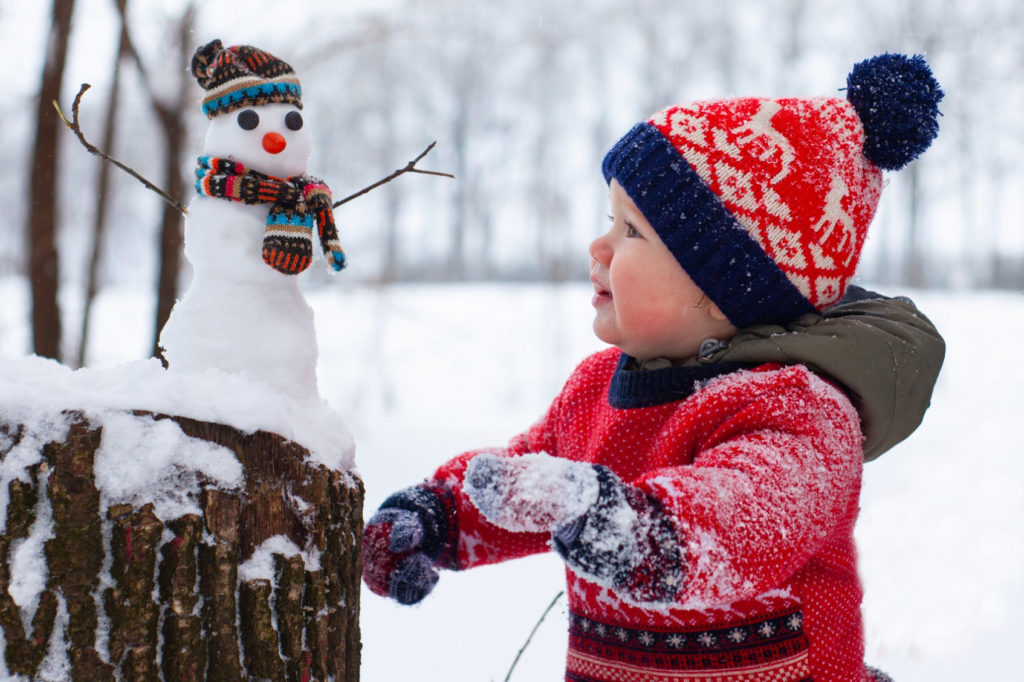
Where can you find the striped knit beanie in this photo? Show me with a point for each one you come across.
(243, 75)
(766, 203)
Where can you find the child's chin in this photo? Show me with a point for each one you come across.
(603, 332)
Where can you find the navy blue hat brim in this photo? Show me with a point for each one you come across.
(714, 249)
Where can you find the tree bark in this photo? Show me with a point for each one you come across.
(172, 604)
(44, 266)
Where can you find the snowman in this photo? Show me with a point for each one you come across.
(250, 229)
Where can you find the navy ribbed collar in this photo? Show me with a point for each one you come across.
(630, 388)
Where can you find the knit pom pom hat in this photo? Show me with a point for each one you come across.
(241, 76)
(766, 203)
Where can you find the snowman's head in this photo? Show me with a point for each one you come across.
(271, 138)
(253, 101)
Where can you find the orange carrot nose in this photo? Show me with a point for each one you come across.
(274, 143)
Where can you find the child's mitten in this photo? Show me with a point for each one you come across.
(404, 541)
(531, 493)
(609, 532)
(624, 541)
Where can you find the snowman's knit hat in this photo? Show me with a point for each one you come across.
(242, 75)
(765, 203)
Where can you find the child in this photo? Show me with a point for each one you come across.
(701, 479)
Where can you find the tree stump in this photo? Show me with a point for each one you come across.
(132, 596)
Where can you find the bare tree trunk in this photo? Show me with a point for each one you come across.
(170, 226)
(44, 266)
(914, 266)
(172, 118)
(460, 217)
(794, 35)
(171, 115)
(173, 602)
(390, 271)
(392, 197)
(103, 190)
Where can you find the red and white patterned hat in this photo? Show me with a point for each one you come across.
(766, 202)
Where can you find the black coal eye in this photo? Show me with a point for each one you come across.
(293, 120)
(248, 119)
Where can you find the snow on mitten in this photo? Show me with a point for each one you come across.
(406, 540)
(625, 542)
(531, 493)
(605, 530)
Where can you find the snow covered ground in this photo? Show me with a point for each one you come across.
(422, 372)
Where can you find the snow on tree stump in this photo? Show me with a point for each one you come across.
(129, 595)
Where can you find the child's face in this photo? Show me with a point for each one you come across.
(645, 302)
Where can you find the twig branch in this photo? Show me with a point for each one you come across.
(409, 168)
(532, 633)
(74, 125)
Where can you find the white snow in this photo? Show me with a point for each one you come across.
(424, 372)
(35, 391)
(533, 493)
(39, 430)
(260, 566)
(56, 665)
(225, 138)
(143, 460)
(28, 567)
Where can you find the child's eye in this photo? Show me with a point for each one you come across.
(631, 232)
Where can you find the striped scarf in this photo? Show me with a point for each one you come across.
(296, 203)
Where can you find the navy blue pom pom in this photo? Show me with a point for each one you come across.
(897, 100)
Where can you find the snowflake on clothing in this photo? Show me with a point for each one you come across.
(707, 639)
(737, 635)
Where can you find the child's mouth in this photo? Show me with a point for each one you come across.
(601, 294)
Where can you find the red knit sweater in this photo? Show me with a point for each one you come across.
(760, 471)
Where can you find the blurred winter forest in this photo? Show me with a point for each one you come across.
(523, 99)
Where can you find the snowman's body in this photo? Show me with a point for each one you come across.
(239, 314)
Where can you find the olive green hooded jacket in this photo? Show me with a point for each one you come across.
(883, 351)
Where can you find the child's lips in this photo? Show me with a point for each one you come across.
(601, 294)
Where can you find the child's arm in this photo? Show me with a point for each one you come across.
(433, 525)
(776, 483)
(610, 532)
(773, 482)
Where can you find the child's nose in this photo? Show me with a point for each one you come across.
(600, 250)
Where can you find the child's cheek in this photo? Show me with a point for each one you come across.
(627, 283)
